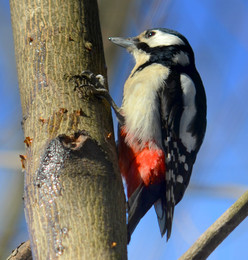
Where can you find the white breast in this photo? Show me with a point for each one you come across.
(140, 105)
(189, 112)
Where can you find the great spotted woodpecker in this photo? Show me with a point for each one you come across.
(162, 123)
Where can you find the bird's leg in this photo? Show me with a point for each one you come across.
(96, 83)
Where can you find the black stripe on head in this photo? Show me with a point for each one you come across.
(143, 46)
(164, 55)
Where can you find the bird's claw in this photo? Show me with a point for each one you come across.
(87, 83)
(96, 80)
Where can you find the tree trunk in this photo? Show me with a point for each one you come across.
(73, 195)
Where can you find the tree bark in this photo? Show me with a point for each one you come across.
(73, 196)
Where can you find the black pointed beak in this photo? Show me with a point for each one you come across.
(128, 43)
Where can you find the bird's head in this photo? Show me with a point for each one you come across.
(158, 44)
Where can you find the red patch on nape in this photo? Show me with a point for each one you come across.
(146, 165)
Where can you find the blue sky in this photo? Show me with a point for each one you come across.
(217, 31)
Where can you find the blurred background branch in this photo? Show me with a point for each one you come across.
(218, 231)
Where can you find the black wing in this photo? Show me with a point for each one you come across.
(179, 162)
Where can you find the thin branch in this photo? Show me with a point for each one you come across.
(22, 252)
(217, 232)
(207, 242)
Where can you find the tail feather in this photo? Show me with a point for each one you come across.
(161, 215)
(164, 218)
(139, 203)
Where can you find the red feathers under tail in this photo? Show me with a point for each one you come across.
(144, 173)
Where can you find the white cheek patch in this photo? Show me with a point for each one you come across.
(140, 57)
(189, 112)
(163, 39)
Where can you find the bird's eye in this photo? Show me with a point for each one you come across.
(150, 34)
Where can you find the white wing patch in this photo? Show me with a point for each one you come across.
(189, 112)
